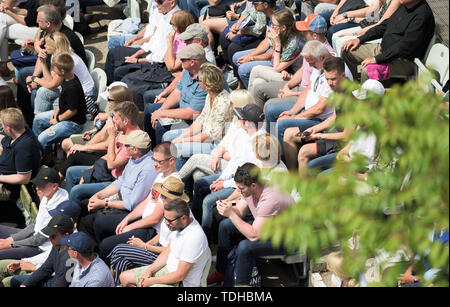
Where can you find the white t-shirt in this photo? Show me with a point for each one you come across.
(152, 202)
(320, 88)
(189, 245)
(43, 217)
(158, 28)
(81, 71)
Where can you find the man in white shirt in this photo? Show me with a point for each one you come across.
(311, 106)
(186, 257)
(119, 59)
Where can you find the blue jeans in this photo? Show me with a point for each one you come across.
(186, 149)
(323, 162)
(18, 280)
(46, 99)
(247, 251)
(273, 111)
(78, 192)
(336, 28)
(209, 202)
(245, 69)
(150, 95)
(119, 40)
(155, 134)
(201, 190)
(48, 134)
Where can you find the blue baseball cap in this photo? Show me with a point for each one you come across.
(78, 241)
(67, 207)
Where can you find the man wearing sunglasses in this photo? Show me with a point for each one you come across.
(185, 259)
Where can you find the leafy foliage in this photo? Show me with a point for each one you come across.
(406, 195)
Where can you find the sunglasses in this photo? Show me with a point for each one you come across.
(160, 1)
(172, 220)
(160, 161)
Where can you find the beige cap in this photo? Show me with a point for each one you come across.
(195, 30)
(137, 138)
(192, 52)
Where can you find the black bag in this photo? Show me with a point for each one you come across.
(352, 5)
(216, 11)
(98, 173)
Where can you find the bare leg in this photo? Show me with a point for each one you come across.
(214, 25)
(290, 147)
(306, 153)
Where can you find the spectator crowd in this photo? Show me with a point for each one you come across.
(199, 102)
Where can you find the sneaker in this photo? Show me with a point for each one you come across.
(214, 278)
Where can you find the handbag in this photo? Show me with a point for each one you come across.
(98, 173)
(352, 5)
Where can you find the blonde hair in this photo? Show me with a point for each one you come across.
(241, 98)
(12, 117)
(212, 76)
(120, 94)
(267, 149)
(181, 20)
(58, 42)
(63, 61)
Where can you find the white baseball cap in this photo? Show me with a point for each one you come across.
(371, 85)
(105, 94)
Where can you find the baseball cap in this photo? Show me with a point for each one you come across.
(60, 222)
(194, 30)
(105, 94)
(137, 138)
(46, 175)
(314, 23)
(192, 52)
(370, 85)
(67, 207)
(251, 112)
(78, 241)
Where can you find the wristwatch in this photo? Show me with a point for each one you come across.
(106, 203)
(344, 14)
(33, 78)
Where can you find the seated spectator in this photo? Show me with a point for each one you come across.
(210, 126)
(313, 28)
(153, 77)
(49, 21)
(48, 92)
(194, 34)
(15, 23)
(188, 96)
(7, 99)
(309, 7)
(70, 115)
(311, 106)
(200, 165)
(90, 270)
(112, 164)
(344, 16)
(381, 13)
(121, 59)
(128, 190)
(87, 148)
(20, 243)
(242, 229)
(405, 36)
(53, 272)
(253, 23)
(10, 267)
(364, 145)
(20, 157)
(136, 252)
(221, 185)
(183, 262)
(144, 220)
(287, 44)
(263, 11)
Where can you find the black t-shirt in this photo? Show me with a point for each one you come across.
(75, 42)
(31, 6)
(72, 98)
(22, 156)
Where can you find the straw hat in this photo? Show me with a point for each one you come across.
(171, 188)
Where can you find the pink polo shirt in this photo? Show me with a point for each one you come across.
(121, 150)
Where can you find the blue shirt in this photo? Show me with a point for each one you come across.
(192, 95)
(96, 274)
(136, 181)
